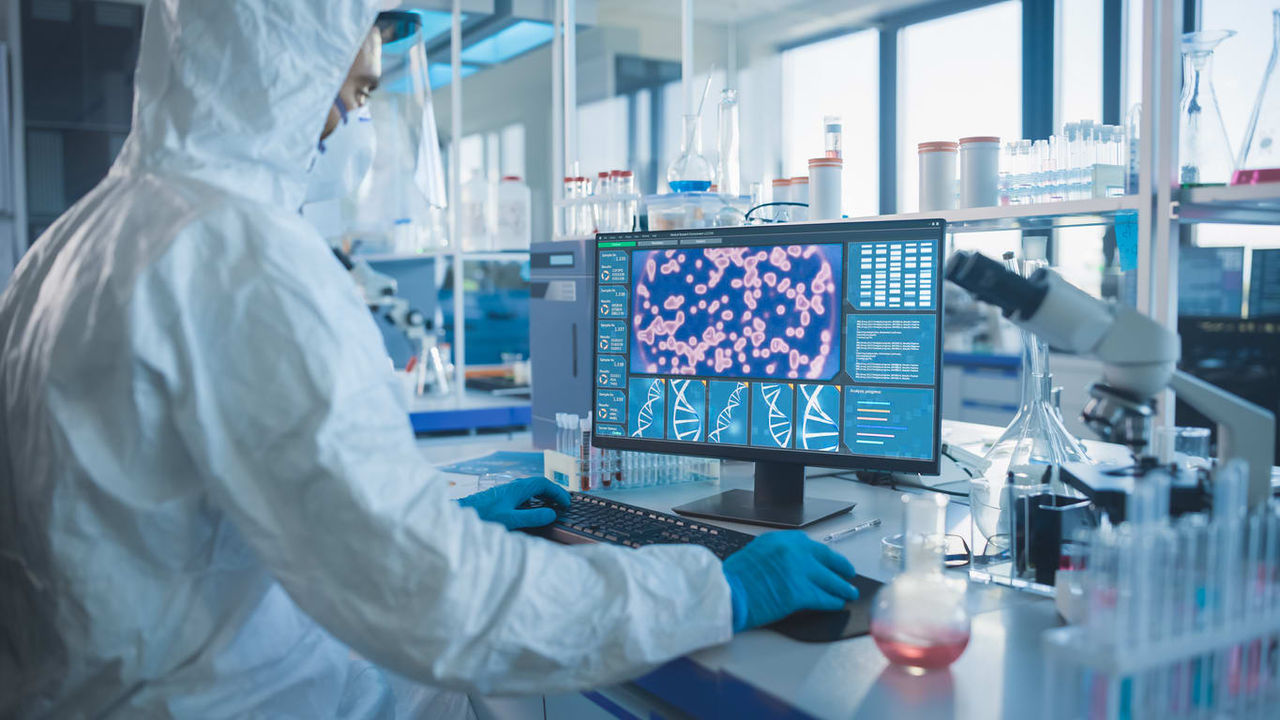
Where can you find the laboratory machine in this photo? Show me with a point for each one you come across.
(560, 334)
(805, 345)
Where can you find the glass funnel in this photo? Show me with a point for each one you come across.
(1260, 156)
(1033, 442)
(691, 171)
(1204, 152)
(919, 620)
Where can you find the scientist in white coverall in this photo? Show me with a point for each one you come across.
(211, 504)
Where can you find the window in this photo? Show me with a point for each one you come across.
(835, 77)
(1079, 70)
(961, 75)
(603, 135)
(1133, 55)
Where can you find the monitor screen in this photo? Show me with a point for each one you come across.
(1211, 281)
(1264, 283)
(818, 344)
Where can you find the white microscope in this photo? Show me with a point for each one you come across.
(432, 370)
(1139, 359)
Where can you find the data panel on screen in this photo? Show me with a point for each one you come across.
(816, 340)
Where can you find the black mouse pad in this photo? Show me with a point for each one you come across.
(816, 626)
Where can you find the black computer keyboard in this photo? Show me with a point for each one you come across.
(596, 519)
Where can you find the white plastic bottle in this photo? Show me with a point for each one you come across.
(474, 215)
(515, 206)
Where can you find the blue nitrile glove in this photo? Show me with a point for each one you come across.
(779, 573)
(501, 504)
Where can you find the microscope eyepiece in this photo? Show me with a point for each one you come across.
(990, 282)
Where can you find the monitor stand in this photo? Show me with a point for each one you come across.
(778, 501)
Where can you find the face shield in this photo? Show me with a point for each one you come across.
(400, 205)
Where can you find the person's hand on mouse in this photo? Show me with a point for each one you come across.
(501, 504)
(781, 572)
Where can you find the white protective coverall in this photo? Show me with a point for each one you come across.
(210, 494)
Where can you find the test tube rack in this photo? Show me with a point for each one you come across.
(614, 469)
(1182, 619)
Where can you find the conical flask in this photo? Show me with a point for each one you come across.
(1034, 441)
(1204, 152)
(1260, 156)
(691, 171)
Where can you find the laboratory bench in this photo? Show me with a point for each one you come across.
(474, 411)
(764, 674)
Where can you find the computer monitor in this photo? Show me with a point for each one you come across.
(788, 345)
(1264, 284)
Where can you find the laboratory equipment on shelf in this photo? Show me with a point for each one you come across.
(608, 205)
(1086, 160)
(727, 139)
(979, 171)
(937, 175)
(1177, 617)
(1133, 130)
(1260, 156)
(692, 210)
(1139, 359)
(919, 620)
(799, 193)
(1204, 152)
(400, 207)
(825, 188)
(475, 215)
(515, 208)
(832, 135)
(691, 171)
(579, 466)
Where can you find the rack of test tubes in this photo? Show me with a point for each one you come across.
(1178, 618)
(580, 467)
(1087, 160)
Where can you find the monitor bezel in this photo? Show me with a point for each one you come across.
(750, 453)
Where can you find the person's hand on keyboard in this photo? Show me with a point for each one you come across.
(781, 572)
(502, 504)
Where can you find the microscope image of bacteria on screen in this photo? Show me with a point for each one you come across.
(766, 313)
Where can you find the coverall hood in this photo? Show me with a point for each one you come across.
(235, 93)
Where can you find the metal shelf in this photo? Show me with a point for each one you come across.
(1072, 213)
(1233, 204)
(470, 255)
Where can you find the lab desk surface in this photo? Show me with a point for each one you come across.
(999, 675)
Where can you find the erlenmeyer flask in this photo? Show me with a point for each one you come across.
(1204, 153)
(1260, 156)
(1034, 441)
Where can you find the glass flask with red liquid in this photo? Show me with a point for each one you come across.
(1260, 157)
(920, 620)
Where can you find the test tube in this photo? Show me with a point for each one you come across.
(584, 454)
(600, 202)
(831, 131)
